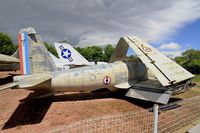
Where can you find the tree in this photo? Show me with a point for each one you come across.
(6, 44)
(51, 49)
(108, 50)
(80, 50)
(96, 53)
(92, 53)
(190, 60)
(191, 54)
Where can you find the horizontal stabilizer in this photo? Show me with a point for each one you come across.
(7, 86)
(8, 59)
(150, 84)
(31, 80)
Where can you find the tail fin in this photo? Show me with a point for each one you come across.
(34, 57)
(68, 55)
(120, 51)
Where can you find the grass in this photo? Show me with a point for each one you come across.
(197, 80)
(193, 92)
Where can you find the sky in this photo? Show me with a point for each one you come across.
(172, 26)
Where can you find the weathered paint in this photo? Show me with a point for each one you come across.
(91, 77)
(8, 63)
(151, 73)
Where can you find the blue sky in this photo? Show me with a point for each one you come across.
(186, 37)
(189, 35)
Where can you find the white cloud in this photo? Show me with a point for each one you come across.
(96, 21)
(172, 54)
(170, 46)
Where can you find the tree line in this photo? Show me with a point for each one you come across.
(190, 59)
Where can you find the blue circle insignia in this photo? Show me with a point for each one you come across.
(66, 53)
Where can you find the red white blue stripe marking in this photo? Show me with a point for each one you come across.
(24, 53)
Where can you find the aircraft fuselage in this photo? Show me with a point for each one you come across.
(96, 77)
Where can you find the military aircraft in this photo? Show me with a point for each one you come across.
(154, 78)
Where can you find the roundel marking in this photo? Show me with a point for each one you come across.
(106, 80)
(119, 56)
(66, 53)
(146, 49)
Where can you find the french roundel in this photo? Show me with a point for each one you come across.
(107, 80)
(146, 49)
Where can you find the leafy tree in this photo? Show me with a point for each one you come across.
(190, 60)
(92, 53)
(108, 50)
(6, 44)
(80, 50)
(51, 49)
(191, 54)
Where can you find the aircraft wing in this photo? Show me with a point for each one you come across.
(8, 63)
(29, 81)
(165, 69)
(149, 90)
(8, 59)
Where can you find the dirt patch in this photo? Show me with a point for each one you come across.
(21, 112)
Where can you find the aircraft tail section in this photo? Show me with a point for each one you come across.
(34, 57)
(165, 69)
(120, 51)
(69, 56)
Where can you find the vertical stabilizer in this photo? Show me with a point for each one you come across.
(34, 57)
(68, 55)
(120, 51)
